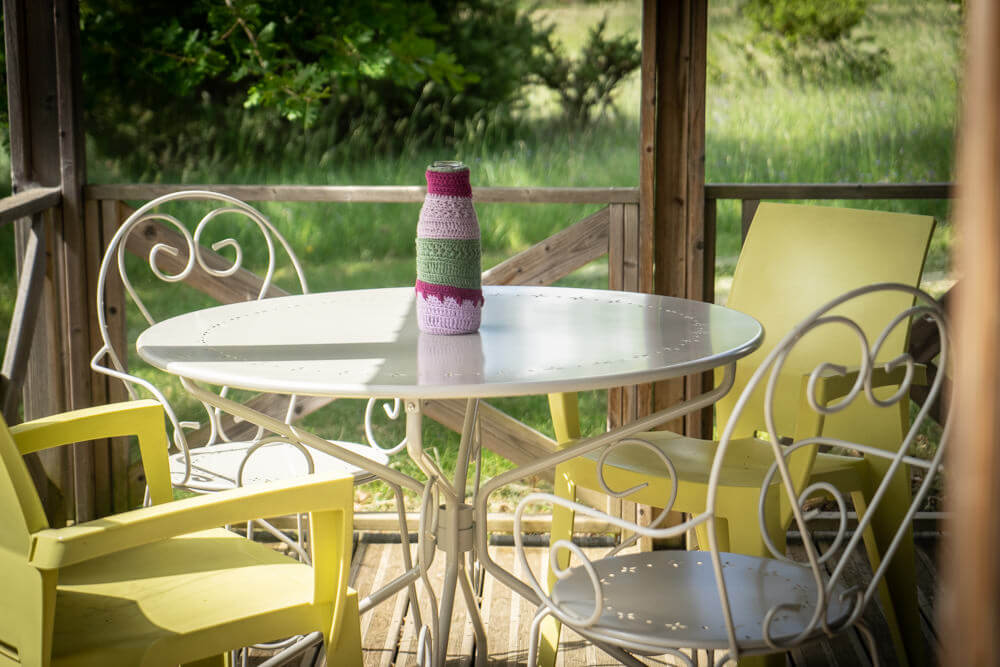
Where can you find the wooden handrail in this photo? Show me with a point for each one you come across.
(28, 203)
(400, 194)
(829, 190)
(608, 195)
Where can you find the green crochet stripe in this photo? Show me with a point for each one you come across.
(454, 262)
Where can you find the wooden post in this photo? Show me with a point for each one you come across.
(970, 608)
(672, 164)
(676, 247)
(47, 149)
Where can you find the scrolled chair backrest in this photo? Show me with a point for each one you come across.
(790, 469)
(179, 255)
(184, 250)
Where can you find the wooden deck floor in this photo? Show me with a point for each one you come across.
(389, 636)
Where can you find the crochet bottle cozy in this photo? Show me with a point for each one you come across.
(449, 265)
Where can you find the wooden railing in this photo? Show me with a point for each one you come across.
(750, 195)
(612, 231)
(31, 205)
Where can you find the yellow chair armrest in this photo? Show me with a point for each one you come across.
(143, 419)
(58, 547)
(102, 421)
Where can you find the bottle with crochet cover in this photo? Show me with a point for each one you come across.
(449, 264)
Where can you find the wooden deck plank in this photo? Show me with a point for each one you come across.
(381, 564)
(490, 588)
(407, 654)
(468, 634)
(498, 614)
(836, 651)
(858, 571)
(927, 579)
(400, 617)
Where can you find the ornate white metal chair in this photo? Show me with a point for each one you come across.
(174, 254)
(735, 605)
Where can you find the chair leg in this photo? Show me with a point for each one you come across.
(345, 648)
(898, 589)
(721, 534)
(562, 529)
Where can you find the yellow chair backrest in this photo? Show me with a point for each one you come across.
(25, 593)
(21, 510)
(797, 258)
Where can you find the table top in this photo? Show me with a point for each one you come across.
(533, 340)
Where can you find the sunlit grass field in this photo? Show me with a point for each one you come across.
(759, 130)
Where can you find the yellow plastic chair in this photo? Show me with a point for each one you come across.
(794, 259)
(162, 585)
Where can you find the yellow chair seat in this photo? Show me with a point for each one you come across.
(748, 460)
(187, 586)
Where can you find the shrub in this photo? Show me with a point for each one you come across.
(585, 84)
(806, 20)
(816, 40)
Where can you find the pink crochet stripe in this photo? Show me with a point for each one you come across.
(447, 317)
(451, 184)
(447, 218)
(444, 292)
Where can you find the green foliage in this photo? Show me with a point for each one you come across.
(814, 40)
(585, 83)
(156, 71)
(806, 20)
(492, 39)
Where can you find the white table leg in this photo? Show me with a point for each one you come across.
(454, 535)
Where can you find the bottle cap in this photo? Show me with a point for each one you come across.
(447, 166)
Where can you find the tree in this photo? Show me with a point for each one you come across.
(153, 67)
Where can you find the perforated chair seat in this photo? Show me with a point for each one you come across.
(669, 599)
(216, 467)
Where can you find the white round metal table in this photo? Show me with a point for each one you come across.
(365, 343)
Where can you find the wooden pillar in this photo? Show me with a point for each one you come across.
(675, 239)
(47, 149)
(970, 595)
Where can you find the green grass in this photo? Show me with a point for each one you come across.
(899, 129)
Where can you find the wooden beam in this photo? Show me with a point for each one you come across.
(400, 194)
(100, 385)
(970, 615)
(615, 195)
(556, 256)
(31, 283)
(672, 162)
(272, 405)
(501, 433)
(29, 35)
(127, 490)
(27, 203)
(78, 271)
(748, 208)
(829, 190)
(496, 522)
(703, 383)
